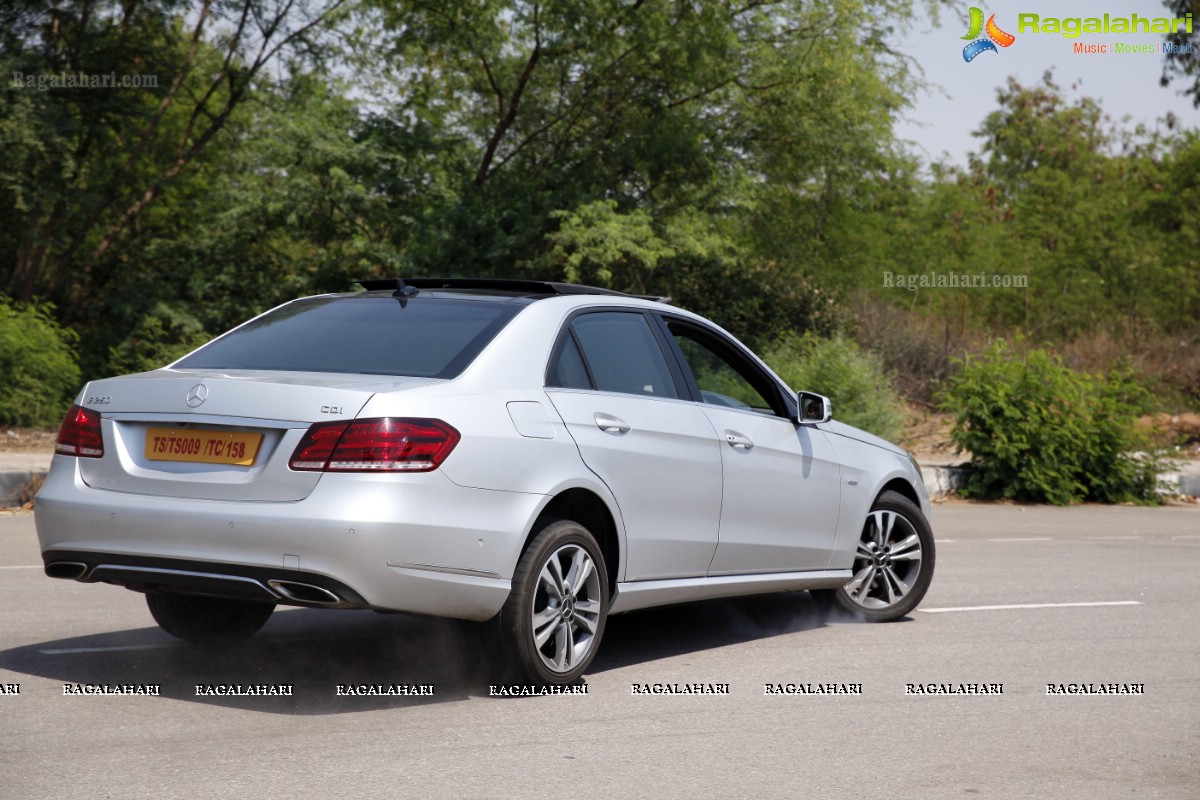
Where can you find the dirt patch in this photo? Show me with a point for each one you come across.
(1174, 430)
(927, 436)
(27, 440)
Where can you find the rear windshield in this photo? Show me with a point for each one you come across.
(425, 337)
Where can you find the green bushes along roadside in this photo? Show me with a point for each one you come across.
(38, 365)
(1040, 432)
(854, 380)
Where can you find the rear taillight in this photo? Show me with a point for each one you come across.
(384, 444)
(80, 434)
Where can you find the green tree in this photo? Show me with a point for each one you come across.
(1180, 64)
(1093, 216)
(696, 135)
(86, 165)
(288, 211)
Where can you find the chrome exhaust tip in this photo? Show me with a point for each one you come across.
(305, 593)
(67, 570)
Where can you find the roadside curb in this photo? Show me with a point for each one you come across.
(17, 487)
(1180, 483)
(942, 479)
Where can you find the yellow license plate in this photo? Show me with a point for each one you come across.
(205, 447)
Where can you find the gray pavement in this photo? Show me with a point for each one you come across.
(1022, 596)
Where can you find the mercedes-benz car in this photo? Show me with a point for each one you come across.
(535, 456)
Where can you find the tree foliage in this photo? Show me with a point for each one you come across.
(698, 150)
(736, 156)
(90, 165)
(1098, 220)
(1184, 64)
(650, 146)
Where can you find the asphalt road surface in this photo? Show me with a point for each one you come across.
(1023, 597)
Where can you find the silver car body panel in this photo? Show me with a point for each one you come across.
(647, 594)
(781, 494)
(662, 460)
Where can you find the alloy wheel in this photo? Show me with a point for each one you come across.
(565, 609)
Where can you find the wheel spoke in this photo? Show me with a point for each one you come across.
(564, 648)
(861, 584)
(907, 550)
(581, 569)
(884, 520)
(896, 588)
(552, 579)
(587, 615)
(865, 552)
(544, 624)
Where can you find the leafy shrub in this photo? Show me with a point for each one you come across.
(1038, 431)
(161, 336)
(38, 362)
(853, 380)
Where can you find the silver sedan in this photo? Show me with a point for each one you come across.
(531, 455)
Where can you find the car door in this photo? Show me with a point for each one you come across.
(611, 382)
(781, 483)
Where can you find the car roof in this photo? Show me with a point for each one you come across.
(529, 290)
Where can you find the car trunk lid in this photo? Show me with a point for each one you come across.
(218, 435)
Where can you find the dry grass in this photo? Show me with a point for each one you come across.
(919, 349)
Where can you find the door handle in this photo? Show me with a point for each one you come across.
(610, 424)
(738, 441)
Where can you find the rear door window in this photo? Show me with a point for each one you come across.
(613, 351)
(568, 370)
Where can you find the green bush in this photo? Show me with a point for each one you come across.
(853, 380)
(38, 362)
(162, 335)
(1038, 431)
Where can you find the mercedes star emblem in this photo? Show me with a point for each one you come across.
(197, 395)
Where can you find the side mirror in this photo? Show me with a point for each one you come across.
(814, 408)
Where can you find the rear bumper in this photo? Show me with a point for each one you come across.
(400, 542)
(235, 581)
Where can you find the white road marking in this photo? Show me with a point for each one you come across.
(1032, 605)
(1020, 539)
(24, 566)
(115, 649)
(1110, 538)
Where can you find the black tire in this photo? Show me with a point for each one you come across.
(569, 632)
(893, 563)
(206, 620)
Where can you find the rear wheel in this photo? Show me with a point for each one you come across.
(554, 619)
(207, 619)
(893, 563)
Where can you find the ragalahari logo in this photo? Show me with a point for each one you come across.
(995, 36)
